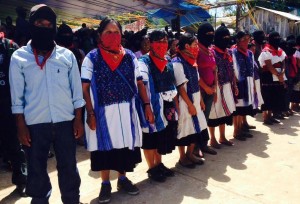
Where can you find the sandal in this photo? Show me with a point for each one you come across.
(226, 142)
(196, 161)
(239, 137)
(187, 164)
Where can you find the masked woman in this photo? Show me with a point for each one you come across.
(272, 61)
(191, 123)
(207, 70)
(224, 106)
(111, 80)
(158, 77)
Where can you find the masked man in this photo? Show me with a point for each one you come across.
(47, 99)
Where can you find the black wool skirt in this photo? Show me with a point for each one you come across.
(163, 141)
(121, 160)
(228, 120)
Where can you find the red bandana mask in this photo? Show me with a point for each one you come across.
(193, 51)
(190, 55)
(272, 50)
(157, 54)
(111, 42)
(111, 49)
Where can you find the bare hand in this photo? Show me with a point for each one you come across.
(23, 135)
(78, 128)
(209, 90)
(236, 91)
(149, 114)
(215, 98)
(192, 110)
(281, 78)
(202, 105)
(91, 121)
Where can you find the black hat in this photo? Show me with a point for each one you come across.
(42, 11)
(241, 34)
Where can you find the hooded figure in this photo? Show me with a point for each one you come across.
(259, 37)
(274, 39)
(42, 37)
(206, 34)
(64, 36)
(219, 39)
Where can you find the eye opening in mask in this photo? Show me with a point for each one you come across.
(43, 23)
(210, 33)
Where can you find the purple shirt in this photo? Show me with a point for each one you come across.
(206, 65)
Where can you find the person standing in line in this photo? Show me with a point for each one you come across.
(272, 61)
(243, 64)
(111, 81)
(222, 110)
(192, 126)
(258, 100)
(158, 77)
(208, 75)
(10, 144)
(47, 101)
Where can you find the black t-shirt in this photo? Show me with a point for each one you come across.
(7, 47)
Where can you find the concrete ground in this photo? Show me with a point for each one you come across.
(264, 169)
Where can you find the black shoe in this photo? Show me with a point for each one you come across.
(268, 122)
(105, 193)
(156, 174)
(127, 186)
(240, 137)
(166, 171)
(248, 135)
(21, 190)
(278, 116)
(273, 120)
(190, 165)
(50, 155)
(208, 150)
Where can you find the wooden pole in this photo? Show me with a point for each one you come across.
(178, 23)
(238, 14)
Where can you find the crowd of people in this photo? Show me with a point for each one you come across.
(125, 91)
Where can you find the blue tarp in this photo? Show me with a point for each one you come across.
(189, 14)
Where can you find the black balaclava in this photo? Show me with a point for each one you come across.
(203, 38)
(290, 50)
(274, 41)
(219, 39)
(298, 40)
(64, 36)
(259, 37)
(42, 38)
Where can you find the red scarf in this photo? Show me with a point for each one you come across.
(225, 53)
(159, 63)
(46, 57)
(157, 54)
(113, 60)
(272, 50)
(204, 49)
(243, 51)
(187, 57)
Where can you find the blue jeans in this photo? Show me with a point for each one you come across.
(64, 144)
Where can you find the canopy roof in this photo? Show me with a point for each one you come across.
(69, 9)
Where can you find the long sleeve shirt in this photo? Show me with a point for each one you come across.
(50, 94)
